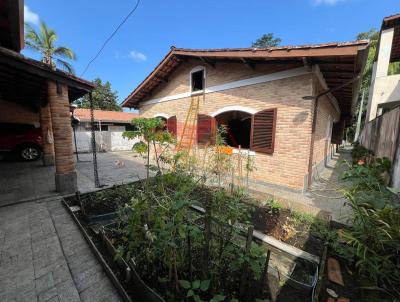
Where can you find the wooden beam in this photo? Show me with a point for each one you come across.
(15, 62)
(208, 62)
(343, 74)
(248, 64)
(162, 79)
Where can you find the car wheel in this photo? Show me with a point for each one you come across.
(30, 153)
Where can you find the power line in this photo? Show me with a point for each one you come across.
(110, 37)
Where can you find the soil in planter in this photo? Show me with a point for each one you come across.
(278, 224)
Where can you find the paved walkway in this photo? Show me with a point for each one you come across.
(24, 181)
(43, 257)
(114, 168)
(323, 198)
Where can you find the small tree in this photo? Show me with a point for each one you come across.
(148, 129)
(103, 97)
(266, 40)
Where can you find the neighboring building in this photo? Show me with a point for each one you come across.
(31, 92)
(104, 120)
(384, 92)
(109, 126)
(381, 132)
(277, 102)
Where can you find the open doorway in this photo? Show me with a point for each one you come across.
(238, 128)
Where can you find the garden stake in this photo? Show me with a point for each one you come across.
(128, 274)
(233, 177)
(189, 257)
(243, 280)
(207, 237)
(264, 277)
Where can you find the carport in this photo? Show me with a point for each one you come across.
(32, 92)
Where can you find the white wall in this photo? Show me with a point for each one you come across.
(105, 140)
(384, 88)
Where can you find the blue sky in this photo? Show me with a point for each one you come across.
(143, 41)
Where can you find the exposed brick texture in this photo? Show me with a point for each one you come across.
(288, 165)
(46, 126)
(326, 115)
(15, 113)
(62, 131)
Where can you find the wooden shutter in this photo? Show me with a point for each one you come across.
(263, 131)
(206, 129)
(172, 125)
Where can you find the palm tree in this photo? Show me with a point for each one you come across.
(44, 42)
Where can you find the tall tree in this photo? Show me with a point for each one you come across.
(44, 43)
(103, 97)
(372, 35)
(266, 40)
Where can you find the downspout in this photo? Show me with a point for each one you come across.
(310, 159)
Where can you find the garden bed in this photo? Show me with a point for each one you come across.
(291, 273)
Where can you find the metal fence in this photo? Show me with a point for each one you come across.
(382, 136)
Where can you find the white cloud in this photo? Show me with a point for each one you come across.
(328, 2)
(30, 17)
(137, 56)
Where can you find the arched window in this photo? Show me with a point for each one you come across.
(248, 129)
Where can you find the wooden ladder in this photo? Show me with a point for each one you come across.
(188, 135)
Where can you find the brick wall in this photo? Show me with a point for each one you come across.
(288, 165)
(15, 113)
(326, 114)
(62, 131)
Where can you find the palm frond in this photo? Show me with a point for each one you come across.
(65, 66)
(65, 52)
(32, 37)
(32, 45)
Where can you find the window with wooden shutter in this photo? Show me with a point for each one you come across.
(263, 131)
(206, 129)
(172, 125)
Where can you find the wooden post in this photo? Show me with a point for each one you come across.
(243, 279)
(264, 276)
(207, 239)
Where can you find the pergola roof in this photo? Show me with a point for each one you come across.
(338, 62)
(24, 80)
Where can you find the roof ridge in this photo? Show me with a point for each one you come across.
(316, 45)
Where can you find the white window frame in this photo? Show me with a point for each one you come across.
(196, 69)
(164, 115)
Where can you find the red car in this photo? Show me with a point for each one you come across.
(23, 139)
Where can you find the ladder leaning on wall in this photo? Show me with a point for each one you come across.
(188, 134)
(189, 131)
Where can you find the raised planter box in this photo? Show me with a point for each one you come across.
(282, 264)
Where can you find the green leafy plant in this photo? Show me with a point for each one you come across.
(149, 130)
(375, 233)
(188, 254)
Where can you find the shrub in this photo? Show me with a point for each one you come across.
(375, 232)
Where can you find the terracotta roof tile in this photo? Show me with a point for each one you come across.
(105, 116)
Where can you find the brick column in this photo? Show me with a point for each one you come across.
(60, 116)
(47, 134)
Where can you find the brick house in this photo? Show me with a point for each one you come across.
(282, 103)
(31, 92)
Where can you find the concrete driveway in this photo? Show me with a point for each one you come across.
(25, 181)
